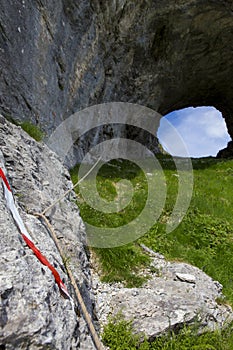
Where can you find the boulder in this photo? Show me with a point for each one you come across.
(177, 294)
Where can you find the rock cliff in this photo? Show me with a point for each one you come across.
(60, 56)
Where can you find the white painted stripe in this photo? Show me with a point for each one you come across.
(14, 211)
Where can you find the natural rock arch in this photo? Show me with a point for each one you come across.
(60, 57)
(202, 129)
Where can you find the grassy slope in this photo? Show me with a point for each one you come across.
(204, 238)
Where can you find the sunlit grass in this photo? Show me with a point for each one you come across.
(33, 130)
(204, 238)
(119, 335)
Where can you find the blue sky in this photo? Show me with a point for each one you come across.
(202, 130)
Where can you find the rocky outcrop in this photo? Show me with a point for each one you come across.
(176, 294)
(60, 56)
(33, 313)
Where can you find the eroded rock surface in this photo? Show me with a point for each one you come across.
(33, 313)
(176, 294)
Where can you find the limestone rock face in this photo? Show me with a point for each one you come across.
(33, 313)
(176, 294)
(60, 56)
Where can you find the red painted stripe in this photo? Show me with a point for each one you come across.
(36, 251)
(2, 175)
(44, 261)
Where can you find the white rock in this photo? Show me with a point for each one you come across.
(164, 303)
(185, 277)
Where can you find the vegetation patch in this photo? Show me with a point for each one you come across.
(32, 130)
(119, 335)
(204, 238)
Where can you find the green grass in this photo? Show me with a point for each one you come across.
(30, 128)
(204, 238)
(120, 263)
(123, 264)
(107, 179)
(33, 130)
(118, 335)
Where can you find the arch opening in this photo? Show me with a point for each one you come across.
(203, 130)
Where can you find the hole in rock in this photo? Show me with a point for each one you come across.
(202, 130)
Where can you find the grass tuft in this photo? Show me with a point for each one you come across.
(118, 335)
(32, 130)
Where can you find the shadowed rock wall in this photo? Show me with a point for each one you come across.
(60, 56)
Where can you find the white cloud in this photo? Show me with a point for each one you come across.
(202, 129)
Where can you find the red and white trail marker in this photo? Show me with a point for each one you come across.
(26, 236)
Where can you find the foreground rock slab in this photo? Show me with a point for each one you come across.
(176, 294)
(33, 314)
